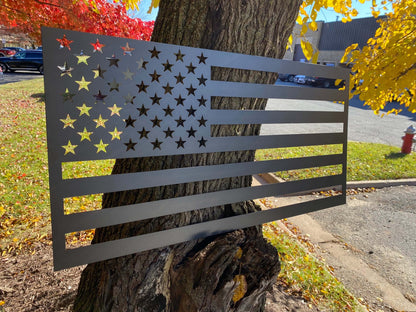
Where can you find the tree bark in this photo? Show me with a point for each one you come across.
(197, 275)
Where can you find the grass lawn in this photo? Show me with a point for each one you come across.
(24, 189)
(365, 161)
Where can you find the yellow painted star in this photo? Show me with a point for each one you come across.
(69, 148)
(83, 84)
(100, 122)
(85, 135)
(84, 109)
(68, 122)
(101, 147)
(82, 58)
(115, 134)
(115, 110)
(128, 74)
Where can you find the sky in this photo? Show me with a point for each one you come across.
(364, 10)
(142, 12)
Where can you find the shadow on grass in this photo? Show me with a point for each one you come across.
(393, 155)
(39, 96)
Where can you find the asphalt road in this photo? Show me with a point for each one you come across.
(363, 124)
(380, 229)
(373, 244)
(19, 76)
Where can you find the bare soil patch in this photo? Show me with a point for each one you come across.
(28, 283)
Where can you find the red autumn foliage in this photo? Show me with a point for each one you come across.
(98, 16)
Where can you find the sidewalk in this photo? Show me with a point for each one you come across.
(370, 242)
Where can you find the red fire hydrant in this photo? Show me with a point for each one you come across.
(408, 140)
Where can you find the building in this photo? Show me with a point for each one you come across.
(331, 39)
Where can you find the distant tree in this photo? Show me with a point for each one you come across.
(99, 16)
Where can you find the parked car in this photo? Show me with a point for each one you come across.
(325, 82)
(17, 49)
(300, 79)
(286, 77)
(7, 52)
(24, 60)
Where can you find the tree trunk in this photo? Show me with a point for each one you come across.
(197, 275)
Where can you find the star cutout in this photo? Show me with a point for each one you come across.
(202, 101)
(142, 87)
(202, 80)
(179, 100)
(130, 145)
(65, 70)
(168, 132)
(98, 46)
(191, 132)
(99, 96)
(69, 148)
(114, 85)
(179, 78)
(155, 76)
(202, 142)
(180, 143)
(64, 42)
(202, 122)
(191, 111)
(68, 122)
(180, 121)
(168, 111)
(168, 88)
(101, 147)
(129, 122)
(191, 68)
(128, 74)
(179, 56)
(100, 122)
(83, 84)
(127, 50)
(99, 72)
(115, 110)
(143, 133)
(156, 144)
(129, 98)
(155, 99)
(191, 90)
(143, 110)
(113, 60)
(156, 122)
(141, 64)
(202, 58)
(167, 66)
(67, 95)
(115, 134)
(155, 53)
(84, 109)
(85, 135)
(82, 58)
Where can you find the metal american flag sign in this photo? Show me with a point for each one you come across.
(113, 98)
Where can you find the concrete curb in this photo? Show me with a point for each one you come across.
(271, 178)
